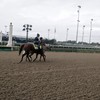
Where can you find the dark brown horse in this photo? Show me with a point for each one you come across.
(29, 49)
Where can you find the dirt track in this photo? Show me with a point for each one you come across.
(64, 76)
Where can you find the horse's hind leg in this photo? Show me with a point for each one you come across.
(35, 57)
(28, 57)
(40, 57)
(22, 57)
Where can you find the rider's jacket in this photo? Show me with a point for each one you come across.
(37, 41)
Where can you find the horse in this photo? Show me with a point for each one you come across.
(29, 49)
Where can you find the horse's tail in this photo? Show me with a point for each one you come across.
(21, 48)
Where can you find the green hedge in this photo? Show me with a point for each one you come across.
(90, 50)
(5, 48)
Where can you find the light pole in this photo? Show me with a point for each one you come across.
(83, 33)
(54, 32)
(90, 31)
(78, 23)
(27, 27)
(67, 34)
(48, 33)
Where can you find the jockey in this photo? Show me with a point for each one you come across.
(37, 40)
(42, 43)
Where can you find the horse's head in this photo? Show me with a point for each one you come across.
(47, 47)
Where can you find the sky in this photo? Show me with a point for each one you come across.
(52, 14)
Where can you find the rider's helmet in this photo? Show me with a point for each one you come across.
(38, 34)
(41, 38)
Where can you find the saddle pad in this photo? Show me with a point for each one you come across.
(36, 46)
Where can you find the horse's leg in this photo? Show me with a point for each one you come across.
(27, 53)
(28, 57)
(44, 57)
(36, 56)
(22, 57)
(40, 57)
